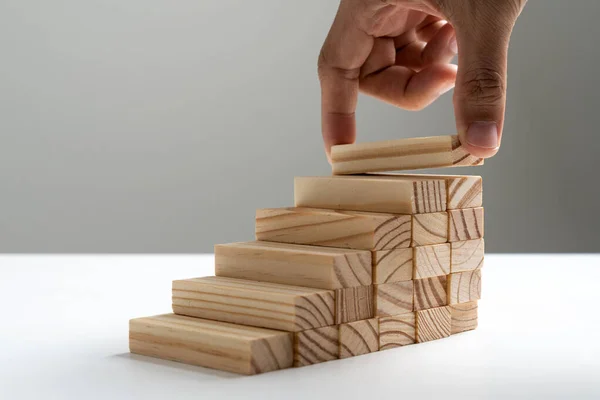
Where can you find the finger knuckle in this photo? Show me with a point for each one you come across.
(327, 69)
(413, 103)
(417, 107)
(322, 63)
(483, 86)
(516, 6)
(477, 11)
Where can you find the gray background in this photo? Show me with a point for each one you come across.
(156, 126)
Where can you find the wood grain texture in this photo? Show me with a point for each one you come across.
(268, 305)
(464, 317)
(430, 292)
(353, 304)
(429, 229)
(433, 260)
(461, 157)
(464, 287)
(400, 154)
(364, 193)
(392, 265)
(396, 331)
(465, 224)
(433, 324)
(316, 346)
(212, 344)
(467, 255)
(346, 229)
(291, 264)
(394, 298)
(359, 337)
(462, 191)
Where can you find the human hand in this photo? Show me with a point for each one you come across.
(399, 51)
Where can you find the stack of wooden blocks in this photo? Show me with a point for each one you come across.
(362, 263)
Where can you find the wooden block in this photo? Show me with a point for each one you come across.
(268, 305)
(462, 191)
(433, 324)
(364, 193)
(346, 229)
(359, 337)
(228, 347)
(464, 317)
(429, 229)
(292, 264)
(316, 346)
(392, 265)
(353, 304)
(464, 287)
(430, 292)
(401, 154)
(431, 260)
(397, 331)
(467, 255)
(466, 224)
(393, 298)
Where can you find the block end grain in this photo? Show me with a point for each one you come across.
(359, 337)
(397, 331)
(464, 317)
(433, 324)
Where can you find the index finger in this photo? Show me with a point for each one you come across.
(344, 52)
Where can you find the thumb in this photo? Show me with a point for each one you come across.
(480, 92)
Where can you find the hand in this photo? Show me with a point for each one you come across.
(399, 51)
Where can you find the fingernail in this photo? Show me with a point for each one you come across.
(483, 134)
(453, 45)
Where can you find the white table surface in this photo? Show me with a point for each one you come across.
(63, 335)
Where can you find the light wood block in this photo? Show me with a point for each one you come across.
(393, 298)
(316, 346)
(292, 264)
(464, 287)
(433, 324)
(429, 229)
(365, 193)
(462, 191)
(353, 304)
(401, 154)
(430, 292)
(467, 255)
(431, 260)
(466, 224)
(346, 229)
(464, 317)
(392, 265)
(228, 347)
(396, 331)
(268, 305)
(359, 337)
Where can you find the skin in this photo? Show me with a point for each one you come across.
(400, 51)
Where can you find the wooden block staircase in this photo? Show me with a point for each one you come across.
(362, 263)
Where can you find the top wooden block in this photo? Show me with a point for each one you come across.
(385, 194)
(401, 154)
